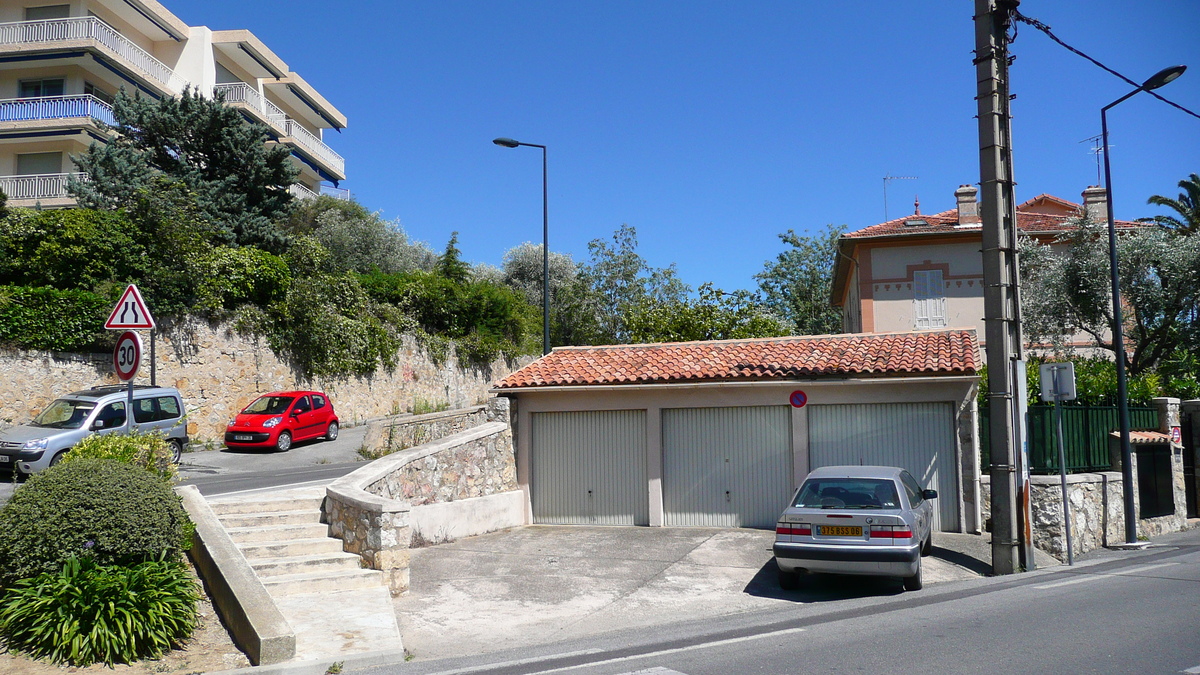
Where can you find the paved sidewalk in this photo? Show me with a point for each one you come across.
(541, 584)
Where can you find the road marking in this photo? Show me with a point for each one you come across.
(1097, 577)
(518, 662)
(657, 670)
(1194, 670)
(276, 488)
(677, 650)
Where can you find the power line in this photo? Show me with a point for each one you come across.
(1046, 29)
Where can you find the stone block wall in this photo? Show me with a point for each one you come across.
(219, 372)
(374, 529)
(400, 432)
(477, 468)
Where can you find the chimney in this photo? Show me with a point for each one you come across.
(968, 208)
(1095, 204)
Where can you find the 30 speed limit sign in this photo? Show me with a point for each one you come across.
(128, 355)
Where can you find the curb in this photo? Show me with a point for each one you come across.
(321, 666)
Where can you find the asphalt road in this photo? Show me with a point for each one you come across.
(221, 471)
(1116, 612)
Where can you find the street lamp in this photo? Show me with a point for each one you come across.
(510, 143)
(1160, 78)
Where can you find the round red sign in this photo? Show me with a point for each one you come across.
(127, 355)
(798, 399)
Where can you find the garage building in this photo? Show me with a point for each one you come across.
(720, 433)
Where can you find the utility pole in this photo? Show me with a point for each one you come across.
(1001, 296)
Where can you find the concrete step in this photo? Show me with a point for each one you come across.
(266, 568)
(276, 533)
(222, 508)
(270, 518)
(293, 547)
(290, 584)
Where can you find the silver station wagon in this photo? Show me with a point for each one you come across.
(867, 520)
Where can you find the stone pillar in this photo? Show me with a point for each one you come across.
(1169, 424)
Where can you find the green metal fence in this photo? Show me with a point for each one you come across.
(1085, 435)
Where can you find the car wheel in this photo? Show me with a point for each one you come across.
(332, 432)
(927, 547)
(284, 441)
(56, 459)
(913, 583)
(789, 581)
(176, 450)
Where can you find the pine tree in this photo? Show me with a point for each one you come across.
(239, 183)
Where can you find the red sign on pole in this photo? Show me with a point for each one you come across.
(798, 399)
(130, 312)
(127, 355)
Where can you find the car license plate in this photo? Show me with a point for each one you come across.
(243, 437)
(840, 531)
(4, 459)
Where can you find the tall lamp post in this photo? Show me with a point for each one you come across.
(510, 143)
(1160, 78)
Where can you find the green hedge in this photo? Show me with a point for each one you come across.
(51, 319)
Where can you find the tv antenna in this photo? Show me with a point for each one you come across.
(890, 177)
(1097, 150)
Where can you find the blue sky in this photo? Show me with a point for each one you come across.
(711, 127)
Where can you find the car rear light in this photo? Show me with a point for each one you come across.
(794, 529)
(891, 532)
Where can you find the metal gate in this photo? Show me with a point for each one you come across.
(918, 437)
(589, 468)
(726, 467)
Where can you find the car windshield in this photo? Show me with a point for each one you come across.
(269, 405)
(848, 493)
(64, 414)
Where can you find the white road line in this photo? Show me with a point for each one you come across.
(1193, 671)
(519, 662)
(677, 650)
(657, 670)
(1097, 577)
(276, 488)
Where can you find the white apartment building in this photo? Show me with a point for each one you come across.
(62, 64)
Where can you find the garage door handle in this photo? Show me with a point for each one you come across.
(727, 495)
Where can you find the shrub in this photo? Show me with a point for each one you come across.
(149, 451)
(50, 319)
(116, 513)
(87, 613)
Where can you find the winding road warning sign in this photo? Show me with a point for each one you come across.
(130, 312)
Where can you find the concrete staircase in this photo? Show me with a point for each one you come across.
(332, 603)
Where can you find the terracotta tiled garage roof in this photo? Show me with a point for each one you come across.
(934, 352)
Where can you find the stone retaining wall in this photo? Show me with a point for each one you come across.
(400, 432)
(372, 509)
(219, 372)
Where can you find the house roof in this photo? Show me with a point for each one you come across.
(1144, 437)
(935, 352)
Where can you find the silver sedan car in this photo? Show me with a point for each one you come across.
(868, 520)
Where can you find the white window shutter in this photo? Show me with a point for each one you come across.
(937, 299)
(921, 298)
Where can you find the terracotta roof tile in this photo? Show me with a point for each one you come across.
(1138, 437)
(934, 352)
(947, 222)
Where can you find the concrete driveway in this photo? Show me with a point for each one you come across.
(541, 584)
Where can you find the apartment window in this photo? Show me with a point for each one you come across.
(93, 90)
(35, 163)
(929, 299)
(47, 12)
(39, 88)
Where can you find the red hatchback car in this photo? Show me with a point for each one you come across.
(280, 418)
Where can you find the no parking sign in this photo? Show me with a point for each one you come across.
(798, 399)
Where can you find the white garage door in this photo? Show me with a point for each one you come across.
(589, 468)
(918, 437)
(726, 467)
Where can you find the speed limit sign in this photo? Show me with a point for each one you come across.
(128, 355)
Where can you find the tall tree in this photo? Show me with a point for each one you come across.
(714, 315)
(239, 183)
(573, 307)
(798, 283)
(1187, 205)
(1067, 292)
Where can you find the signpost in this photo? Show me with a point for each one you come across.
(798, 399)
(1058, 384)
(129, 314)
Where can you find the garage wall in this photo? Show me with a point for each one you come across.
(919, 437)
(726, 467)
(589, 468)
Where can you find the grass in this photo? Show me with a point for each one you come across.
(423, 406)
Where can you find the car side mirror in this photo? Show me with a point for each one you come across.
(929, 494)
(98, 424)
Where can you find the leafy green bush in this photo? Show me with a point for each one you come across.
(149, 451)
(228, 277)
(53, 320)
(71, 248)
(116, 513)
(87, 613)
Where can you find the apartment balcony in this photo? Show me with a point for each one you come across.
(48, 190)
(17, 112)
(301, 192)
(88, 32)
(291, 131)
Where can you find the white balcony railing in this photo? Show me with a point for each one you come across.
(300, 192)
(48, 31)
(309, 140)
(55, 107)
(38, 186)
(336, 193)
(240, 92)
